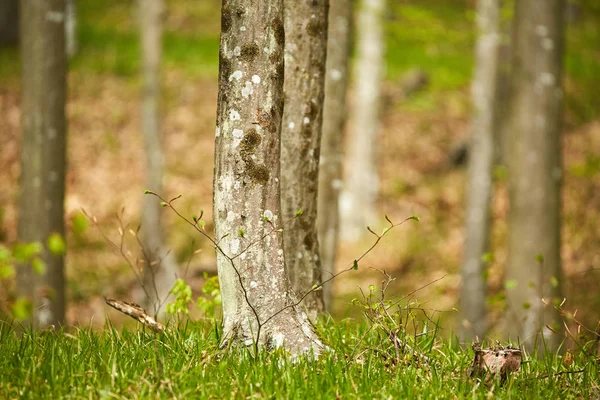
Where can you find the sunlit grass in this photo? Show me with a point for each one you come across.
(81, 363)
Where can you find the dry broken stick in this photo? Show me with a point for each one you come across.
(136, 312)
(494, 361)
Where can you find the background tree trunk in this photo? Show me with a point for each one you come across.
(360, 193)
(9, 22)
(481, 161)
(43, 159)
(159, 278)
(254, 285)
(535, 169)
(304, 87)
(334, 123)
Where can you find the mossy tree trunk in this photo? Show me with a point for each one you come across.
(358, 208)
(43, 156)
(258, 301)
(481, 160)
(160, 267)
(334, 123)
(535, 114)
(305, 26)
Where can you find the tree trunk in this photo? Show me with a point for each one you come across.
(359, 195)
(160, 272)
(43, 148)
(305, 26)
(535, 170)
(334, 121)
(9, 22)
(258, 302)
(473, 290)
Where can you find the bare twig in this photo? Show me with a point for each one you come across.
(138, 313)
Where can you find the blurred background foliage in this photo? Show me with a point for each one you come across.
(435, 38)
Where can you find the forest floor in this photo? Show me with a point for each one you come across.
(106, 161)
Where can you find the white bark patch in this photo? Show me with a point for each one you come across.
(255, 79)
(234, 115)
(237, 135)
(541, 30)
(243, 28)
(253, 284)
(335, 75)
(55, 16)
(337, 184)
(306, 120)
(217, 132)
(247, 89)
(299, 255)
(237, 185)
(268, 214)
(278, 339)
(291, 125)
(231, 218)
(226, 182)
(237, 51)
(547, 79)
(547, 44)
(237, 75)
(235, 244)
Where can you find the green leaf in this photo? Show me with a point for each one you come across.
(554, 281)
(22, 308)
(415, 218)
(22, 252)
(5, 254)
(56, 244)
(355, 265)
(510, 284)
(487, 258)
(201, 223)
(299, 212)
(163, 204)
(79, 224)
(539, 258)
(39, 266)
(147, 191)
(6, 271)
(241, 232)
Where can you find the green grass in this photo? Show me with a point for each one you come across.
(82, 363)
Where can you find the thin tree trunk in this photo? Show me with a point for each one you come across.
(9, 22)
(305, 26)
(535, 170)
(43, 154)
(71, 29)
(360, 193)
(257, 296)
(160, 272)
(334, 123)
(473, 290)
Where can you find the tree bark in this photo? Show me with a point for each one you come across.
(160, 272)
(43, 154)
(258, 302)
(535, 170)
(71, 44)
(334, 123)
(473, 289)
(360, 193)
(9, 22)
(305, 26)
